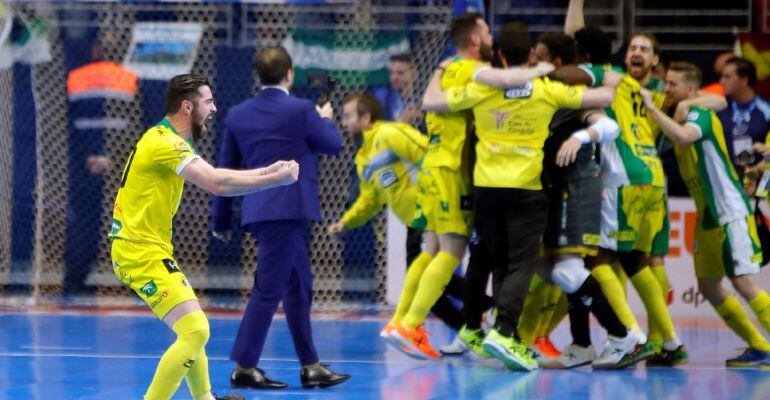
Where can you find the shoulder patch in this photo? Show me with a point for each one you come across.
(519, 92)
(692, 116)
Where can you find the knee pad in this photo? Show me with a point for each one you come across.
(569, 274)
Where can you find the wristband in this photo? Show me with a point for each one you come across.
(583, 136)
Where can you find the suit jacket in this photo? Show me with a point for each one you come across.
(269, 127)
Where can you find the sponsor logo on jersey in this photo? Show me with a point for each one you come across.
(388, 178)
(519, 92)
(185, 282)
(116, 227)
(149, 288)
(171, 265)
(692, 116)
(444, 206)
(500, 118)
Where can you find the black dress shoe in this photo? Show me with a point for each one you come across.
(253, 379)
(320, 376)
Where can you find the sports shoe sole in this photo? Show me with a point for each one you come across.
(640, 353)
(396, 343)
(555, 364)
(511, 361)
(406, 347)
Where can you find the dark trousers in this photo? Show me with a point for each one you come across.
(511, 223)
(444, 309)
(475, 299)
(283, 273)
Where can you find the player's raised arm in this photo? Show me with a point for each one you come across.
(228, 182)
(505, 78)
(434, 99)
(575, 19)
(682, 134)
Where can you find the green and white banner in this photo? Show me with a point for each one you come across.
(351, 58)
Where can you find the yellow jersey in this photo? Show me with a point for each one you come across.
(150, 192)
(447, 131)
(382, 164)
(512, 126)
(632, 159)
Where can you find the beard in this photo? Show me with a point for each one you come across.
(197, 131)
(198, 127)
(486, 52)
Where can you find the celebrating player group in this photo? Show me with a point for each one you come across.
(548, 170)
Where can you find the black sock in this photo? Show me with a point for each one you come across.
(591, 296)
(578, 322)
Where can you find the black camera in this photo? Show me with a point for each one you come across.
(324, 83)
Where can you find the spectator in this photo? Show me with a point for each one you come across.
(719, 66)
(746, 119)
(399, 98)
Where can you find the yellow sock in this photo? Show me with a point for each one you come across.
(622, 278)
(660, 275)
(615, 294)
(761, 307)
(192, 333)
(197, 377)
(532, 312)
(649, 291)
(737, 319)
(560, 311)
(411, 282)
(549, 309)
(432, 284)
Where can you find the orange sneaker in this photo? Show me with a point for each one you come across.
(387, 334)
(546, 347)
(416, 340)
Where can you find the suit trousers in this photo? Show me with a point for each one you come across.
(283, 274)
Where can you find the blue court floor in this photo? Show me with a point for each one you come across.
(105, 357)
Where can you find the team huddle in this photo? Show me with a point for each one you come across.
(549, 171)
(546, 169)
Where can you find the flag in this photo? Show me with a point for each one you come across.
(351, 58)
(756, 48)
(26, 42)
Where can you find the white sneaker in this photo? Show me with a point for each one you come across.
(488, 319)
(571, 357)
(456, 348)
(615, 349)
(641, 338)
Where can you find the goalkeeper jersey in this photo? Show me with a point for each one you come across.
(150, 191)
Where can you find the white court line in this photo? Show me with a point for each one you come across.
(138, 356)
(33, 347)
(389, 362)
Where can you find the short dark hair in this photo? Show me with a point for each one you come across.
(404, 58)
(691, 72)
(365, 104)
(594, 45)
(183, 87)
(273, 64)
(462, 28)
(515, 43)
(559, 45)
(653, 40)
(745, 69)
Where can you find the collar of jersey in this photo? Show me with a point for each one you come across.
(167, 124)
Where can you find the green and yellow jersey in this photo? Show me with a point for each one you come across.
(382, 164)
(709, 174)
(632, 159)
(150, 192)
(512, 126)
(447, 131)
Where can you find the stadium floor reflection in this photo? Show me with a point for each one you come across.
(106, 356)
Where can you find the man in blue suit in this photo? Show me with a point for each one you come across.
(271, 126)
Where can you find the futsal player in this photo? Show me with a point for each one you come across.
(149, 195)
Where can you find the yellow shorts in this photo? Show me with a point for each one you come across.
(159, 282)
(631, 217)
(730, 250)
(444, 203)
